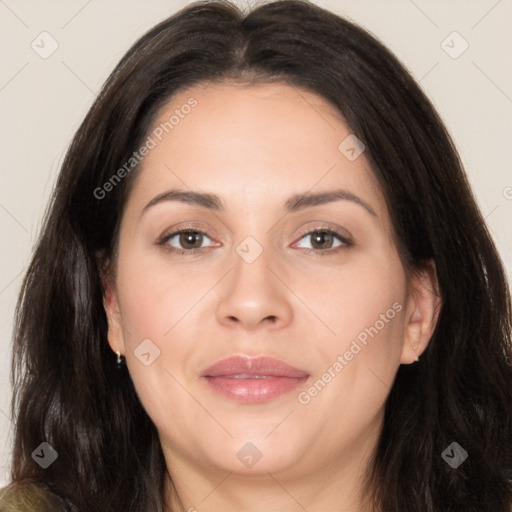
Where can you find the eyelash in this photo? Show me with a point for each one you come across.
(317, 252)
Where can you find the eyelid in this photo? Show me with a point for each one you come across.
(188, 226)
(326, 226)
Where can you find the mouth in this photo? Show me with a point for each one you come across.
(247, 379)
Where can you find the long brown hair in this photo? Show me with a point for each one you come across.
(67, 389)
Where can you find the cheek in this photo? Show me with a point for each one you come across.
(154, 296)
(160, 303)
(362, 357)
(154, 303)
(362, 301)
(359, 362)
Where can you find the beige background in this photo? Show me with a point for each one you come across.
(42, 102)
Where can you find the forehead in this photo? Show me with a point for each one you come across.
(263, 141)
(229, 119)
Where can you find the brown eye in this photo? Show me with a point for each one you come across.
(184, 241)
(323, 241)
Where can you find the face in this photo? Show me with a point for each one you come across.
(316, 284)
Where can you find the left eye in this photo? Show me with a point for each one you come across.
(324, 237)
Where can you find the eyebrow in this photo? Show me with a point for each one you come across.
(295, 203)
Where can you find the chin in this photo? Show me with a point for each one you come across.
(257, 455)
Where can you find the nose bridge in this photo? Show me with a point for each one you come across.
(251, 277)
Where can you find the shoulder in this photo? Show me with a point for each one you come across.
(29, 497)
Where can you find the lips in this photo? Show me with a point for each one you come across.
(253, 379)
(255, 366)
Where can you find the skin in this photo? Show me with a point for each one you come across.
(255, 146)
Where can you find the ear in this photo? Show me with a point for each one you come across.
(421, 313)
(111, 305)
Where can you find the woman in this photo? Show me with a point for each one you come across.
(367, 370)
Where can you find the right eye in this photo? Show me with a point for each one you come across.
(186, 237)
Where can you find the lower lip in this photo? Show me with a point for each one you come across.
(254, 390)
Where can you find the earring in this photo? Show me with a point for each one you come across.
(119, 359)
(416, 359)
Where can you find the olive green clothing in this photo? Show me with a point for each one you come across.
(29, 497)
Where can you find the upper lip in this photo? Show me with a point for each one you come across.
(260, 365)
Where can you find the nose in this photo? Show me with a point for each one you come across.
(255, 296)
